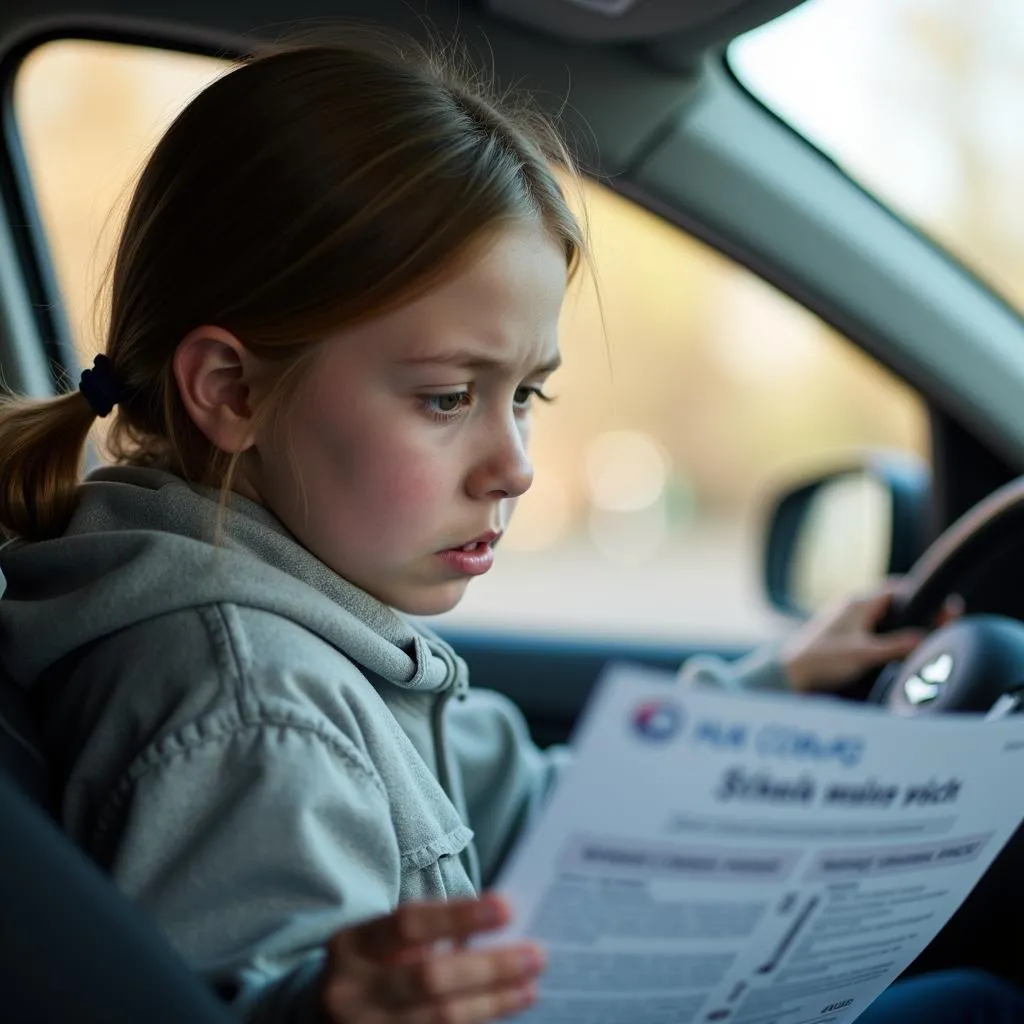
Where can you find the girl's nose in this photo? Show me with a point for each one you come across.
(506, 471)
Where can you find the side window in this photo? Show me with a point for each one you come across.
(688, 392)
(703, 392)
(88, 114)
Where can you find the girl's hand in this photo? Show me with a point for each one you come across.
(394, 968)
(837, 646)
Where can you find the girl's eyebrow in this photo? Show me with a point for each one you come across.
(475, 361)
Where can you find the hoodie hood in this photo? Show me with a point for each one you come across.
(142, 544)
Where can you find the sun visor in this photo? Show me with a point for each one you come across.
(680, 22)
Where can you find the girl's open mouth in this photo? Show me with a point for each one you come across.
(474, 558)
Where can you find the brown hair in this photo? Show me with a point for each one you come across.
(314, 186)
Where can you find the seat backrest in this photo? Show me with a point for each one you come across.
(73, 948)
(21, 758)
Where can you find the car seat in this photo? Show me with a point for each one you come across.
(72, 947)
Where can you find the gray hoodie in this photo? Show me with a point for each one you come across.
(257, 751)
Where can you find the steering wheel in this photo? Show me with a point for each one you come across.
(967, 665)
(970, 663)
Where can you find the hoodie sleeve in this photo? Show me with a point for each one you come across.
(760, 670)
(507, 777)
(210, 816)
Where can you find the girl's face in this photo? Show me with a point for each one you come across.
(401, 460)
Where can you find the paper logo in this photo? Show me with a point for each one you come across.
(658, 720)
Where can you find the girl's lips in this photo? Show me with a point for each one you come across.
(489, 537)
(472, 562)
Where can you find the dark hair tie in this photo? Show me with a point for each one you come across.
(100, 386)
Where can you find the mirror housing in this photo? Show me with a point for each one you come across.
(846, 530)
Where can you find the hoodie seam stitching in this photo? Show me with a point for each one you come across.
(223, 639)
(447, 844)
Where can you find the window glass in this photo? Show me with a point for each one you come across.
(88, 114)
(918, 99)
(699, 390)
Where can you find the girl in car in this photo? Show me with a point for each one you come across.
(334, 302)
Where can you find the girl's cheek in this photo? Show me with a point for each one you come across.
(406, 476)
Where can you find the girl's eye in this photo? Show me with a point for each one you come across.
(446, 406)
(526, 393)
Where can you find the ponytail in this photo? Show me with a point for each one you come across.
(42, 446)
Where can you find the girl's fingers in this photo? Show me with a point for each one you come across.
(420, 924)
(472, 1009)
(343, 1000)
(457, 974)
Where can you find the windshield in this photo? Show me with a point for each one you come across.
(919, 100)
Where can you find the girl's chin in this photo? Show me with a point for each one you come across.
(432, 600)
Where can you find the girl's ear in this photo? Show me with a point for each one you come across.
(215, 373)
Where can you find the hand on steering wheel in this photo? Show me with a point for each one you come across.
(838, 646)
(965, 665)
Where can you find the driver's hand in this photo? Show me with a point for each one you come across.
(838, 645)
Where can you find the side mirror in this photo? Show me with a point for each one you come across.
(845, 531)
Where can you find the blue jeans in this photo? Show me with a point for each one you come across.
(948, 997)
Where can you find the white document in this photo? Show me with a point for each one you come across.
(747, 859)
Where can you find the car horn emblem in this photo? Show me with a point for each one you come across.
(929, 680)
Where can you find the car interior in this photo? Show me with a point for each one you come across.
(646, 93)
